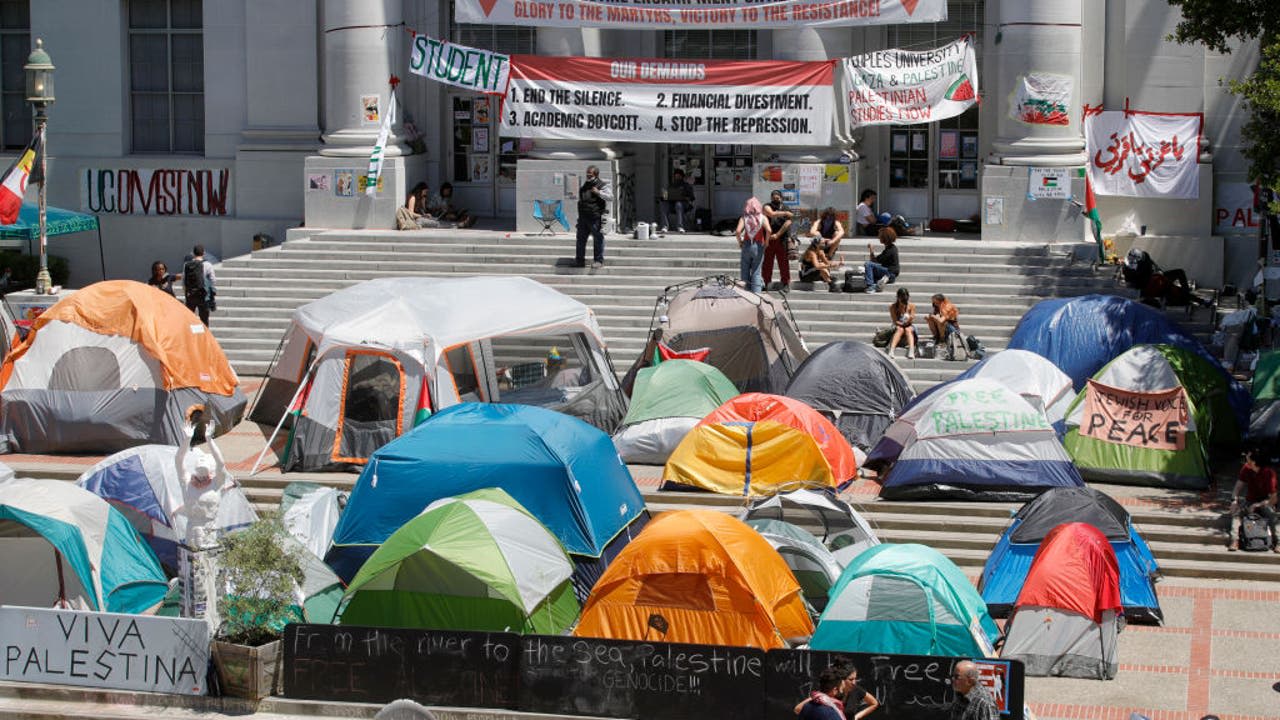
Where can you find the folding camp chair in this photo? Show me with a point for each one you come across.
(548, 212)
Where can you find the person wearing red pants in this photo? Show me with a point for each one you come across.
(776, 247)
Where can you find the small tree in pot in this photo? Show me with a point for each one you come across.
(262, 573)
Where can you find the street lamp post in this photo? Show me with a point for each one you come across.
(39, 69)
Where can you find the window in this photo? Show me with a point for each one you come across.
(958, 151)
(463, 369)
(86, 369)
(710, 44)
(166, 75)
(15, 45)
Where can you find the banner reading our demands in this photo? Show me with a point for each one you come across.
(1156, 420)
(635, 14)
(668, 101)
(900, 87)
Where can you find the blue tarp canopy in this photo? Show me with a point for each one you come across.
(57, 222)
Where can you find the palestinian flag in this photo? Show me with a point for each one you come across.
(961, 90)
(1095, 220)
(423, 410)
(14, 184)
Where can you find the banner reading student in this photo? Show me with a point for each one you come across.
(1155, 420)
(899, 87)
(705, 14)
(465, 67)
(669, 101)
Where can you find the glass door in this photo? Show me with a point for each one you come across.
(720, 175)
(482, 166)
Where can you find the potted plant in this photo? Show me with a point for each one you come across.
(261, 570)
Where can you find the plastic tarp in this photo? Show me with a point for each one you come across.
(855, 386)
(57, 222)
(845, 532)
(712, 579)
(310, 513)
(565, 472)
(1264, 419)
(666, 402)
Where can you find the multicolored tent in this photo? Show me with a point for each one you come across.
(667, 401)
(60, 543)
(855, 386)
(1140, 421)
(1264, 419)
(112, 366)
(478, 561)
(758, 444)
(813, 566)
(975, 440)
(1068, 613)
(1010, 560)
(1031, 375)
(842, 530)
(905, 599)
(697, 576)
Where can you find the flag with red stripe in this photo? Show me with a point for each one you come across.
(14, 185)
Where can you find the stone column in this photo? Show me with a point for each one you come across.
(807, 44)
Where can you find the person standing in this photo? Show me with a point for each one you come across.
(779, 241)
(1257, 484)
(972, 702)
(752, 234)
(198, 284)
(680, 201)
(824, 703)
(161, 278)
(883, 268)
(593, 202)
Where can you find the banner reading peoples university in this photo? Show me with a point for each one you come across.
(669, 14)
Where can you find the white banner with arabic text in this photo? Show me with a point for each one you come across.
(1138, 154)
(702, 15)
(900, 87)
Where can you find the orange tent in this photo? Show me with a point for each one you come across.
(760, 444)
(697, 576)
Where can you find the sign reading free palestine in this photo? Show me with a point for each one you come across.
(465, 67)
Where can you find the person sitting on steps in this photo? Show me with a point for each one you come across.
(884, 267)
(903, 314)
(1257, 485)
(679, 200)
(829, 230)
(815, 266)
(441, 207)
(944, 319)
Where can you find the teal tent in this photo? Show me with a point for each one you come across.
(57, 221)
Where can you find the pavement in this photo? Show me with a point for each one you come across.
(1218, 651)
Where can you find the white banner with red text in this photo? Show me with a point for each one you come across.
(682, 14)
(669, 101)
(901, 87)
(1150, 155)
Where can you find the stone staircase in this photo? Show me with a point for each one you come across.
(993, 284)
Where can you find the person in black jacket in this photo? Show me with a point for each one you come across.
(883, 268)
(593, 201)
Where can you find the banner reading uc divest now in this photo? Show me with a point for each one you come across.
(669, 101)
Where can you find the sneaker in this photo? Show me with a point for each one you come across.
(1234, 546)
(872, 290)
(884, 280)
(785, 288)
(597, 264)
(680, 230)
(662, 230)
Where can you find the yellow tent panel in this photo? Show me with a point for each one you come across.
(757, 459)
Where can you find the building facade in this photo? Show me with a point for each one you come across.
(181, 121)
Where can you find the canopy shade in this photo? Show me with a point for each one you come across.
(57, 222)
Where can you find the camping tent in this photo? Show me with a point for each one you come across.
(310, 512)
(1032, 376)
(758, 444)
(1167, 448)
(361, 366)
(1068, 613)
(566, 473)
(905, 599)
(143, 484)
(668, 400)
(709, 578)
(1080, 335)
(976, 440)
(59, 541)
(1264, 419)
(858, 388)
(751, 337)
(112, 366)
(844, 532)
(813, 566)
(1010, 560)
(477, 561)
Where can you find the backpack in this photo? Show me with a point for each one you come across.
(882, 337)
(974, 349)
(953, 347)
(193, 280)
(1254, 534)
(855, 280)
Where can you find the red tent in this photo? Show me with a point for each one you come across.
(1076, 570)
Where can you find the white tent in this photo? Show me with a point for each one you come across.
(310, 513)
(1032, 376)
(832, 520)
(361, 365)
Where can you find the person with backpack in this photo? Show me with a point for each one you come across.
(1257, 485)
(198, 284)
(752, 233)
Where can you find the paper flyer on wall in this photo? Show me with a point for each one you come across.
(706, 14)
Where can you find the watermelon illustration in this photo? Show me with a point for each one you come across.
(961, 90)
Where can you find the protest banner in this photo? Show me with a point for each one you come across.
(1136, 154)
(104, 650)
(1049, 183)
(1233, 212)
(669, 101)
(1155, 420)
(458, 65)
(1041, 99)
(901, 87)
(705, 14)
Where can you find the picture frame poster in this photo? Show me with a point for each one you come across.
(969, 145)
(344, 183)
(369, 110)
(949, 144)
(480, 139)
(899, 143)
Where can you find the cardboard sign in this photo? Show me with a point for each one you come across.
(1049, 183)
(104, 650)
(770, 102)
(703, 15)
(1135, 154)
(899, 87)
(1155, 420)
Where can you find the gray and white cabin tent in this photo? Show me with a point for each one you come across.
(361, 366)
(833, 521)
(855, 386)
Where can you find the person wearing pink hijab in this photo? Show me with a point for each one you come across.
(753, 234)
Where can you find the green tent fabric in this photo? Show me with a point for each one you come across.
(1266, 377)
(57, 222)
(1207, 388)
(478, 561)
(678, 388)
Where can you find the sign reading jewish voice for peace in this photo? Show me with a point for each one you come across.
(668, 14)
(669, 101)
(459, 65)
(1156, 420)
(898, 87)
(1135, 154)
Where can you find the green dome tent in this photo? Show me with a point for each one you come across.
(667, 401)
(1264, 420)
(478, 561)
